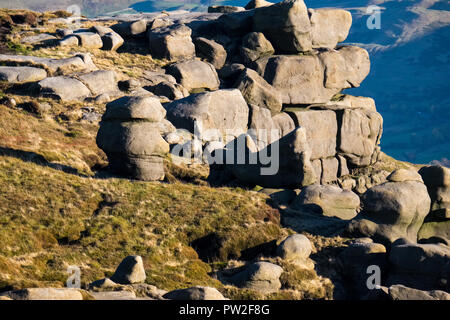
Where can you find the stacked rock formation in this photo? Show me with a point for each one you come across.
(130, 135)
(271, 72)
(285, 62)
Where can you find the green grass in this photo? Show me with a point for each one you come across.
(18, 48)
(54, 219)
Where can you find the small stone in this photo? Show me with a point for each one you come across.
(329, 201)
(89, 40)
(131, 270)
(103, 284)
(195, 293)
(259, 276)
(69, 41)
(295, 248)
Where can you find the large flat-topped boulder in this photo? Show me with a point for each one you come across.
(329, 201)
(21, 74)
(78, 63)
(101, 81)
(223, 110)
(89, 40)
(195, 74)
(309, 79)
(286, 25)
(172, 43)
(299, 79)
(63, 88)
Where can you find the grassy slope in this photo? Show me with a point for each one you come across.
(54, 212)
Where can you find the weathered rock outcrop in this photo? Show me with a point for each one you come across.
(222, 110)
(296, 249)
(172, 43)
(211, 51)
(258, 92)
(130, 270)
(259, 276)
(329, 27)
(21, 74)
(315, 78)
(286, 25)
(89, 40)
(255, 46)
(130, 135)
(289, 166)
(419, 266)
(393, 210)
(195, 75)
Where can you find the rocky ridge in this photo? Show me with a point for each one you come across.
(232, 70)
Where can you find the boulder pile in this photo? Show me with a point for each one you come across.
(260, 88)
(288, 70)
